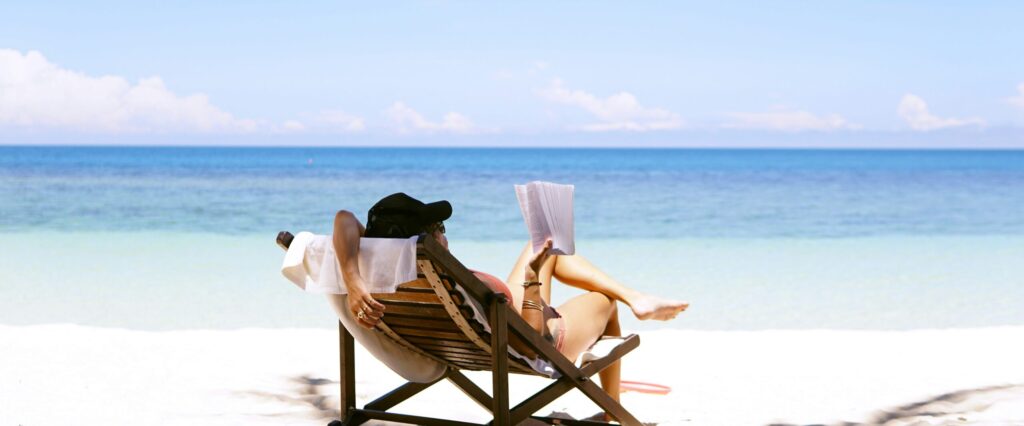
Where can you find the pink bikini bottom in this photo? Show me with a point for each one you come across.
(557, 333)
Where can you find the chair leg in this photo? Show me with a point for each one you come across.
(499, 360)
(347, 361)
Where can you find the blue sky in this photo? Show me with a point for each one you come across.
(866, 74)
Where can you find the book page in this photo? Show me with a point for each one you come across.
(558, 210)
(548, 212)
(524, 206)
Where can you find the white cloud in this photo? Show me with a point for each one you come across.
(326, 121)
(35, 93)
(788, 121)
(1018, 101)
(408, 120)
(620, 111)
(538, 67)
(293, 126)
(339, 121)
(915, 112)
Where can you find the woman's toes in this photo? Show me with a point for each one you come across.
(656, 308)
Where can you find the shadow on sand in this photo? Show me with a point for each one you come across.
(960, 408)
(306, 394)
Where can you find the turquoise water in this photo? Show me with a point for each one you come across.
(620, 193)
(164, 238)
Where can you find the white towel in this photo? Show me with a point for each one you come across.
(384, 263)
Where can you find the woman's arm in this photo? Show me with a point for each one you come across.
(532, 311)
(347, 231)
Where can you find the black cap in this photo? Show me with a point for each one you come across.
(401, 216)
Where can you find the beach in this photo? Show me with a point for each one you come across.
(810, 213)
(143, 286)
(54, 374)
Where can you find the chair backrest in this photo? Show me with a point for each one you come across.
(442, 314)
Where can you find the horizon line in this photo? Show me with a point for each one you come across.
(517, 147)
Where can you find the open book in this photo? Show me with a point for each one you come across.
(547, 209)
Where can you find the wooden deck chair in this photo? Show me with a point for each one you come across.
(433, 317)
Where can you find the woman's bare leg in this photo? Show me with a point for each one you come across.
(578, 272)
(588, 317)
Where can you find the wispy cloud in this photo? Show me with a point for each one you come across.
(621, 111)
(1018, 101)
(37, 94)
(293, 126)
(407, 121)
(327, 121)
(782, 119)
(915, 112)
(538, 67)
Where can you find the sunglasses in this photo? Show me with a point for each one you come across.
(435, 227)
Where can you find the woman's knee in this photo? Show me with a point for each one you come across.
(343, 216)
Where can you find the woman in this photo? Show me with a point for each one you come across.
(573, 326)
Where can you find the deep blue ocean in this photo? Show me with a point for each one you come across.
(620, 193)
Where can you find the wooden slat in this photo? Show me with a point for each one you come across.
(450, 354)
(424, 323)
(460, 358)
(421, 340)
(475, 366)
(454, 352)
(451, 349)
(459, 343)
(423, 309)
(407, 331)
(513, 368)
(419, 283)
(452, 358)
(395, 299)
(407, 297)
(416, 290)
(428, 311)
(466, 366)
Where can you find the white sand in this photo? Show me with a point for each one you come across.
(66, 374)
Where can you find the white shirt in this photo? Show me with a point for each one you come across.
(384, 263)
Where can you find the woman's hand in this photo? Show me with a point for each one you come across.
(364, 308)
(537, 261)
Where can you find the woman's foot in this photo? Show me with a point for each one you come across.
(647, 307)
